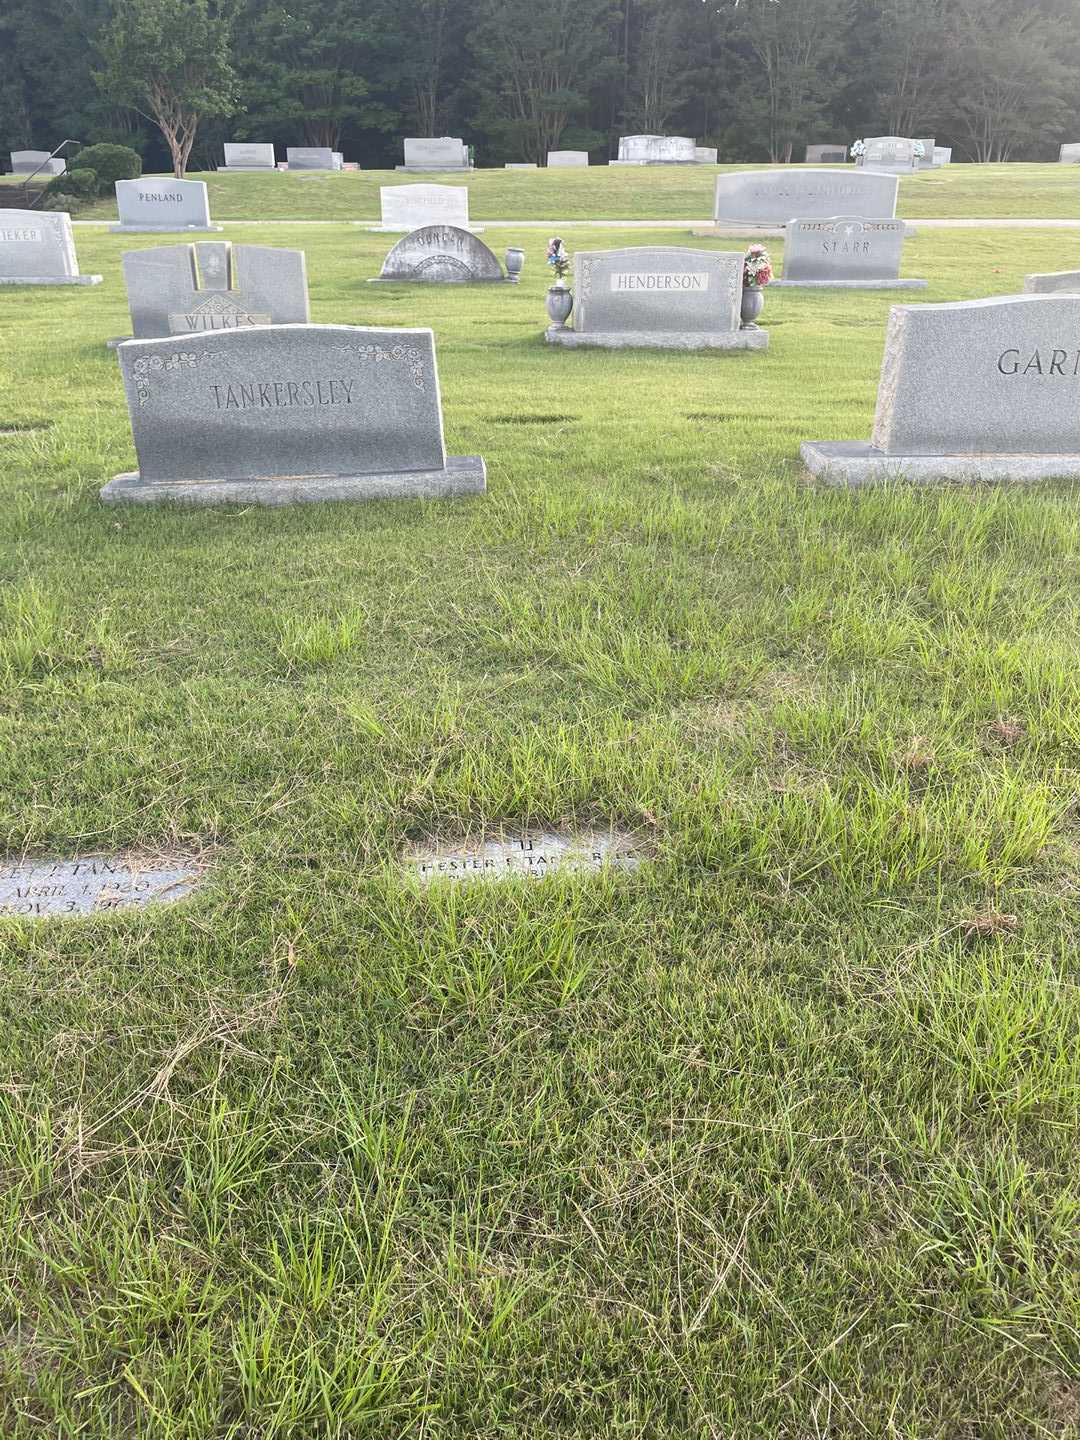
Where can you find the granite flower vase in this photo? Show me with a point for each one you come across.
(753, 302)
(560, 301)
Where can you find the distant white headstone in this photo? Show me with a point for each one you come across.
(37, 248)
(242, 156)
(159, 204)
(656, 150)
(567, 159)
(446, 152)
(410, 207)
(1070, 155)
(25, 162)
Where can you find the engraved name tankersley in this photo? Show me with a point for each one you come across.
(283, 394)
(1039, 362)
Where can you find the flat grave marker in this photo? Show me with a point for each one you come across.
(533, 855)
(92, 885)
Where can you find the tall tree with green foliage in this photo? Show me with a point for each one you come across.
(170, 60)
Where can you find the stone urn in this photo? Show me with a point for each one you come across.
(753, 302)
(560, 301)
(515, 260)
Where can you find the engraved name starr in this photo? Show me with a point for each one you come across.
(283, 394)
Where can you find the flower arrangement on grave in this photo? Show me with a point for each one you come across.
(858, 150)
(558, 259)
(919, 150)
(757, 268)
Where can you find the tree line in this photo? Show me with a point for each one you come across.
(759, 79)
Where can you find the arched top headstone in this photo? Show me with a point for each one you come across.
(441, 254)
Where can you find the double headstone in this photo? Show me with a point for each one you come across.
(979, 389)
(826, 155)
(567, 159)
(889, 155)
(445, 152)
(38, 248)
(214, 285)
(312, 157)
(845, 253)
(29, 162)
(656, 150)
(158, 204)
(285, 413)
(772, 197)
(410, 207)
(658, 297)
(441, 255)
(243, 156)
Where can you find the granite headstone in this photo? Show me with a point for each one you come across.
(975, 389)
(567, 159)
(277, 414)
(656, 150)
(158, 204)
(411, 207)
(826, 155)
(446, 152)
(92, 885)
(889, 155)
(29, 162)
(773, 197)
(243, 156)
(846, 253)
(942, 156)
(706, 154)
(37, 248)
(310, 157)
(1054, 282)
(1069, 154)
(441, 255)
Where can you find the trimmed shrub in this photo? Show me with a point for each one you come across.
(111, 163)
(57, 200)
(81, 182)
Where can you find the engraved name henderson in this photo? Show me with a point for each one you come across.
(659, 282)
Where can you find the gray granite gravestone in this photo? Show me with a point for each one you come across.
(929, 145)
(656, 150)
(445, 152)
(244, 156)
(440, 255)
(27, 162)
(277, 414)
(942, 156)
(37, 248)
(977, 389)
(1055, 282)
(826, 155)
(310, 157)
(889, 155)
(92, 885)
(567, 159)
(772, 197)
(411, 207)
(213, 285)
(158, 204)
(845, 253)
(659, 297)
(705, 154)
(1069, 155)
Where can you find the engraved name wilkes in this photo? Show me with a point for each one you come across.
(283, 394)
(1065, 363)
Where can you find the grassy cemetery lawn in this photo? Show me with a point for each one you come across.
(776, 1136)
(601, 192)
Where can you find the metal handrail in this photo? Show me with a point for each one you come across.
(27, 178)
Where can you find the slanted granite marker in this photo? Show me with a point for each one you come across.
(845, 253)
(773, 197)
(38, 248)
(411, 207)
(658, 297)
(440, 255)
(977, 389)
(1054, 282)
(159, 204)
(243, 156)
(277, 414)
(214, 285)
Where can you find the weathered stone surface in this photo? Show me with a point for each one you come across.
(310, 157)
(975, 388)
(26, 162)
(889, 155)
(278, 414)
(214, 285)
(705, 154)
(446, 152)
(441, 255)
(773, 197)
(826, 154)
(411, 207)
(846, 252)
(1069, 155)
(942, 155)
(656, 150)
(1054, 282)
(241, 155)
(161, 203)
(92, 885)
(533, 855)
(37, 248)
(567, 159)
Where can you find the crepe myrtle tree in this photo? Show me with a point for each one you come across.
(170, 61)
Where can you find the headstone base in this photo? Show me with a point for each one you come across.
(433, 169)
(50, 279)
(655, 162)
(754, 339)
(853, 462)
(849, 284)
(247, 170)
(162, 229)
(408, 229)
(463, 475)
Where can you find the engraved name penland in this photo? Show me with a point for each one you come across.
(283, 394)
(1065, 363)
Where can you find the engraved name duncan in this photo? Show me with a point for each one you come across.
(673, 280)
(283, 394)
(1039, 362)
(17, 235)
